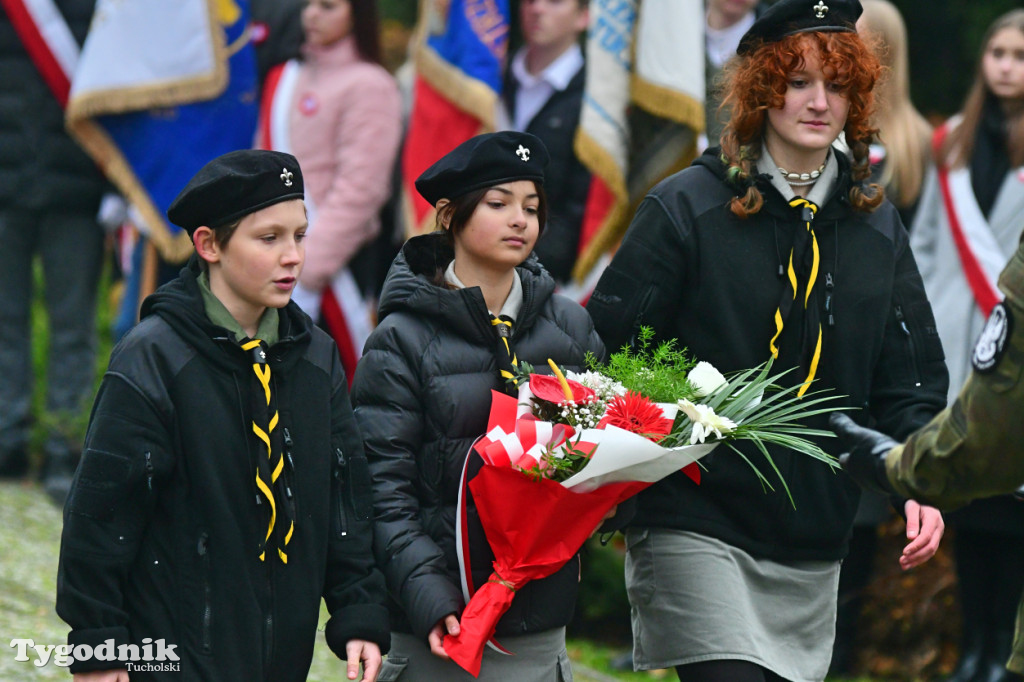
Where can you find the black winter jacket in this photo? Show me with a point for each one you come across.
(162, 526)
(41, 167)
(422, 396)
(692, 270)
(568, 180)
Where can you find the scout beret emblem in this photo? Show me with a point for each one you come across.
(820, 10)
(992, 343)
(523, 153)
(234, 185)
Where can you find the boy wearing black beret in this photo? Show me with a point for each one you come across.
(223, 489)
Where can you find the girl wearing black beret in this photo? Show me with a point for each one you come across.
(773, 245)
(422, 394)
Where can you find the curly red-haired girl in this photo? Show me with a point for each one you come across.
(758, 82)
(775, 245)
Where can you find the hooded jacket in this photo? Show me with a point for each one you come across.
(422, 396)
(162, 527)
(692, 270)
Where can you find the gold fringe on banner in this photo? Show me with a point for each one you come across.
(600, 163)
(469, 94)
(162, 94)
(174, 247)
(667, 103)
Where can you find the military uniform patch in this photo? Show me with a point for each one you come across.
(992, 343)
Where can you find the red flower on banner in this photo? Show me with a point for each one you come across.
(637, 414)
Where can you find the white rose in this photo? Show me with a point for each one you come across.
(705, 379)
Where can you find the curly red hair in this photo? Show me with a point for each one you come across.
(758, 80)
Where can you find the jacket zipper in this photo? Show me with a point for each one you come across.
(830, 285)
(342, 521)
(638, 320)
(149, 471)
(268, 619)
(289, 469)
(910, 343)
(205, 632)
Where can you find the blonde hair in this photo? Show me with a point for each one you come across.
(903, 130)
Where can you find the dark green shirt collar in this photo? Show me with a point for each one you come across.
(219, 315)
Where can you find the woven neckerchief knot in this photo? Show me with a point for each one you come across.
(504, 354)
(271, 481)
(805, 251)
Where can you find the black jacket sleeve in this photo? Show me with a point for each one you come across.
(910, 381)
(638, 287)
(112, 497)
(354, 588)
(390, 416)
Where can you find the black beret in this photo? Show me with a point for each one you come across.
(233, 186)
(788, 17)
(484, 161)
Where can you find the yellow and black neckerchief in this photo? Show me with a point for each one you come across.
(271, 481)
(805, 249)
(504, 354)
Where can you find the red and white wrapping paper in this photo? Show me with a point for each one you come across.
(518, 512)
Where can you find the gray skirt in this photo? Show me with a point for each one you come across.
(539, 657)
(694, 598)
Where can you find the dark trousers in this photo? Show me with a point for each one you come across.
(70, 250)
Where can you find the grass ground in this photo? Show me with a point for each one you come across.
(30, 536)
(30, 540)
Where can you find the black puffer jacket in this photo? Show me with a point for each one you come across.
(162, 526)
(692, 270)
(422, 396)
(41, 167)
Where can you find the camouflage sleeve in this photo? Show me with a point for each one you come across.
(975, 447)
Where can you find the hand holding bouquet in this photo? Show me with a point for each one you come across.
(573, 446)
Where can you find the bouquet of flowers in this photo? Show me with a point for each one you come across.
(573, 446)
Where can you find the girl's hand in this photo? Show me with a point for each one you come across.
(924, 530)
(448, 625)
(369, 653)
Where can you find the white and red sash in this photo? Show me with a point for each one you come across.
(341, 307)
(980, 255)
(48, 40)
(462, 542)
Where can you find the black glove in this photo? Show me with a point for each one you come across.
(866, 449)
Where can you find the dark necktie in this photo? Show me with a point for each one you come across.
(504, 354)
(271, 481)
(805, 251)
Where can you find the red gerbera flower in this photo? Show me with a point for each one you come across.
(637, 414)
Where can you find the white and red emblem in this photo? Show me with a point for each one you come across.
(308, 104)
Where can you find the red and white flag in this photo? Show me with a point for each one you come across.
(642, 110)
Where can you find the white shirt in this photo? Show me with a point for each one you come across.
(514, 302)
(533, 91)
(722, 43)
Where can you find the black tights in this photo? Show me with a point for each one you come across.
(725, 671)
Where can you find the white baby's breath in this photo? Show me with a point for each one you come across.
(603, 386)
